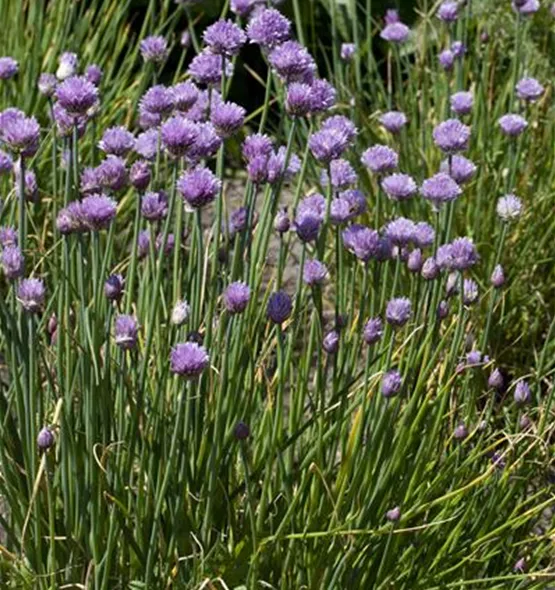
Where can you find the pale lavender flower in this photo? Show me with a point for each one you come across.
(111, 173)
(522, 394)
(45, 439)
(77, 95)
(452, 136)
(275, 168)
(415, 260)
(448, 11)
(399, 187)
(496, 380)
(70, 219)
(391, 383)
(242, 7)
(380, 158)
(157, 100)
(314, 272)
(446, 59)
(12, 262)
(236, 297)
(298, 101)
(527, 8)
(430, 269)
(185, 95)
(458, 255)
(393, 121)
(292, 62)
(207, 142)
(68, 63)
(143, 243)
(154, 49)
(154, 205)
(178, 135)
(512, 125)
(307, 225)
(93, 73)
(396, 32)
(98, 211)
(442, 310)
(126, 332)
(470, 292)
(356, 200)
(440, 188)
(348, 51)
(146, 144)
(31, 189)
(341, 125)
(279, 307)
(6, 162)
(323, 96)
(47, 84)
(257, 169)
(224, 37)
(255, 145)
(8, 236)
(207, 68)
(509, 208)
(269, 28)
(198, 187)
(497, 279)
(461, 432)
(459, 49)
(521, 566)
(328, 144)
(342, 174)
(394, 514)
(8, 68)
(529, 89)
(398, 311)
(373, 331)
(31, 294)
(423, 235)
(147, 119)
(65, 123)
(21, 134)
(330, 343)
(117, 141)
(462, 103)
(227, 118)
(400, 231)
(461, 169)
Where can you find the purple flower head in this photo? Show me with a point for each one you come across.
(236, 297)
(198, 187)
(98, 211)
(279, 307)
(496, 380)
(185, 95)
(332, 140)
(241, 431)
(154, 49)
(143, 243)
(111, 174)
(178, 134)
(21, 134)
(396, 32)
(452, 136)
(147, 119)
(439, 189)
(307, 225)
(239, 219)
(448, 11)
(521, 566)
(70, 219)
(424, 234)
(391, 383)
(526, 8)
(497, 277)
(462, 170)
(314, 272)
(298, 101)
(380, 158)
(394, 514)
(400, 231)
(330, 343)
(31, 294)
(45, 439)
(157, 100)
(242, 7)
(452, 284)
(362, 241)
(341, 125)
(257, 169)
(522, 394)
(458, 255)
(207, 143)
(31, 188)
(77, 95)
(8, 236)
(282, 223)
(12, 262)
(430, 270)
(462, 103)
(257, 144)
(227, 118)
(68, 63)
(348, 51)
(398, 311)
(93, 73)
(342, 174)
(415, 261)
(275, 169)
(224, 37)
(446, 59)
(512, 125)
(199, 111)
(460, 432)
(399, 187)
(117, 141)
(207, 68)
(470, 292)
(269, 28)
(509, 208)
(393, 121)
(8, 68)
(65, 122)
(529, 89)
(340, 211)
(113, 287)
(126, 332)
(459, 49)
(391, 16)
(356, 200)
(373, 331)
(323, 96)
(442, 310)
(154, 206)
(140, 175)
(292, 62)
(47, 84)
(314, 205)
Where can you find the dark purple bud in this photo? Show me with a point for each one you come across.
(373, 331)
(113, 287)
(391, 383)
(241, 431)
(330, 344)
(279, 307)
(442, 310)
(45, 439)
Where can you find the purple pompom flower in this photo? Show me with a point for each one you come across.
(430, 269)
(126, 332)
(448, 11)
(269, 28)
(68, 63)
(373, 331)
(143, 243)
(8, 68)
(497, 277)
(393, 121)
(154, 49)
(47, 84)
(440, 188)
(255, 145)
(227, 118)
(459, 49)
(509, 208)
(529, 89)
(21, 134)
(65, 123)
(380, 158)
(314, 272)
(111, 174)
(399, 187)
(512, 125)
(157, 100)
(348, 51)
(446, 60)
(415, 261)
(522, 394)
(70, 219)
(275, 168)
(400, 231)
(77, 95)
(242, 7)
(185, 95)
(207, 68)
(113, 287)
(327, 145)
(45, 439)
(423, 235)
(330, 343)
(396, 32)
(279, 307)
(292, 62)
(8, 236)
(224, 37)
(98, 211)
(154, 206)
(257, 169)
(342, 174)
(117, 141)
(31, 188)
(236, 297)
(323, 96)
(461, 169)
(391, 383)
(458, 255)
(12, 262)
(526, 7)
(93, 73)
(178, 134)
(140, 175)
(398, 311)
(462, 103)
(307, 225)
(198, 187)
(31, 294)
(452, 136)
(362, 241)
(298, 101)
(207, 143)
(341, 125)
